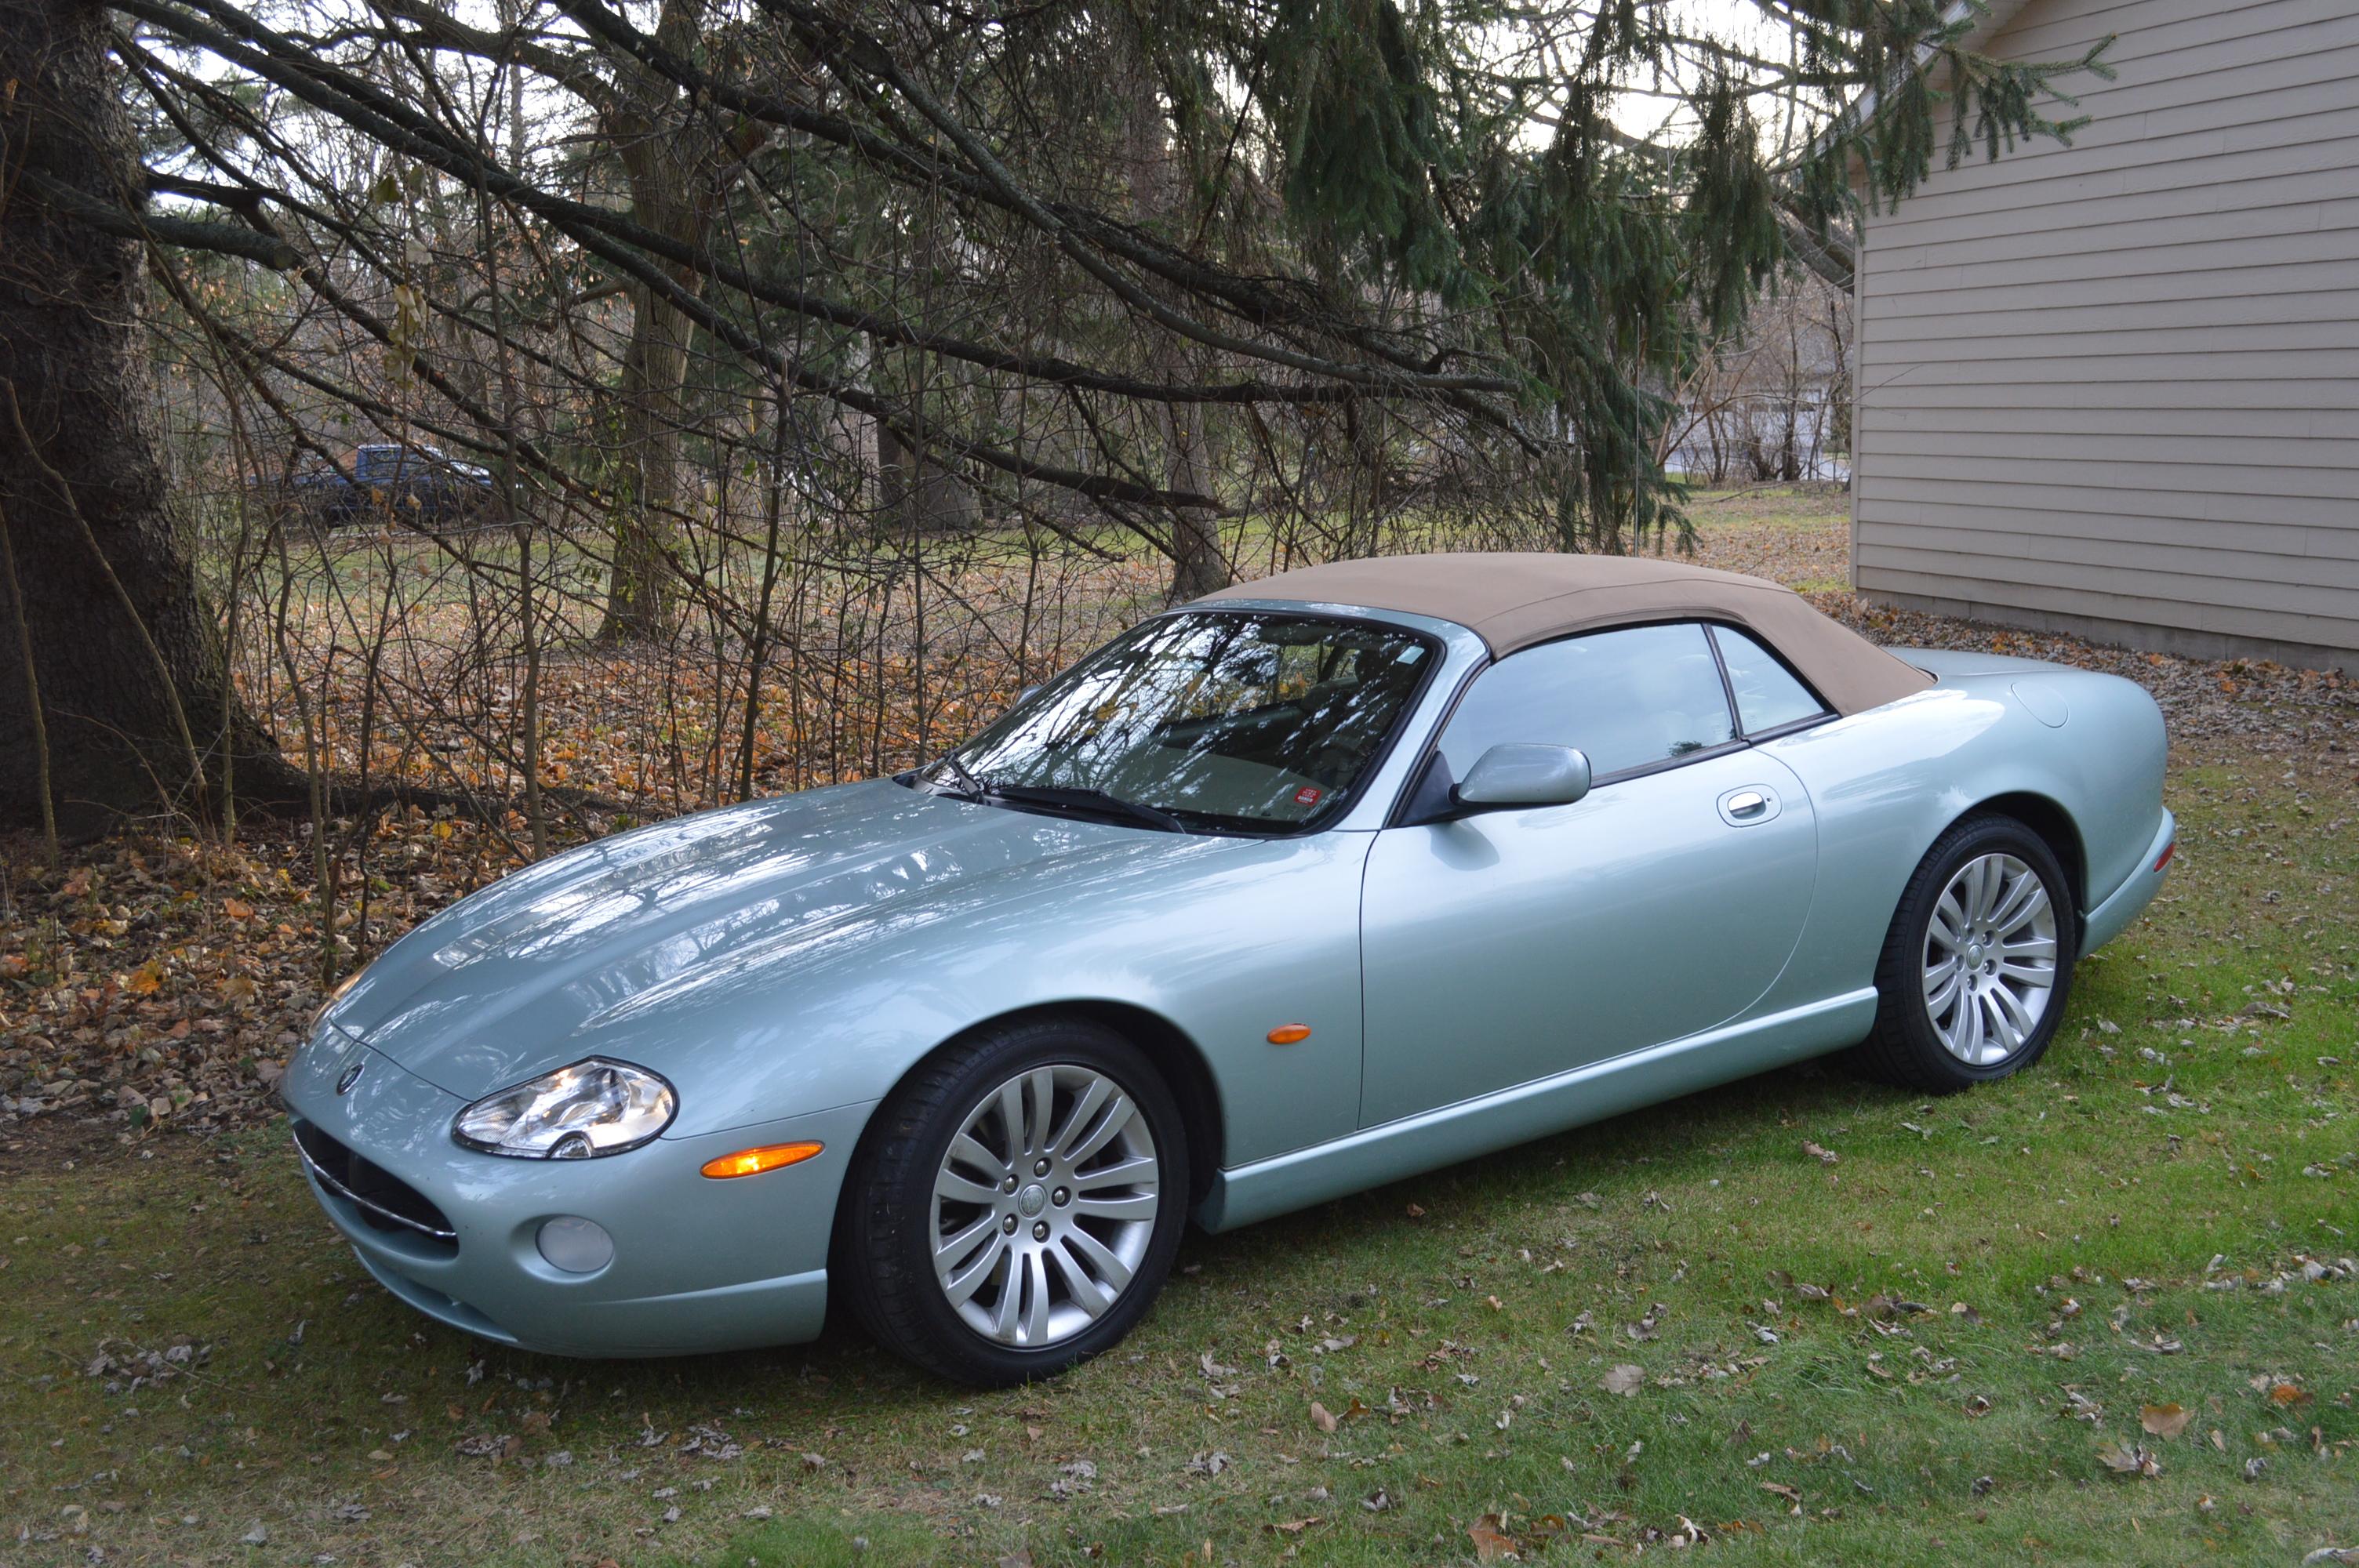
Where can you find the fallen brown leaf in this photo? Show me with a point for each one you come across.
(1490, 1539)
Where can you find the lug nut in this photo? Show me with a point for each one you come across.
(1061, 1198)
(1040, 1169)
(1041, 1231)
(1008, 1225)
(1009, 1184)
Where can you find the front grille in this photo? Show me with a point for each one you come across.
(386, 1202)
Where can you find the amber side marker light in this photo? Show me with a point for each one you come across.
(754, 1162)
(1287, 1033)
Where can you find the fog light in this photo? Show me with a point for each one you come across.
(576, 1244)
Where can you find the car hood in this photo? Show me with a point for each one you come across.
(517, 978)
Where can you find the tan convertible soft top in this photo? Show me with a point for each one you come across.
(1513, 601)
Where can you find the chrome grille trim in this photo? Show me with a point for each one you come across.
(357, 1201)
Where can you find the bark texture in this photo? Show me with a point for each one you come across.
(675, 162)
(639, 596)
(130, 677)
(1158, 188)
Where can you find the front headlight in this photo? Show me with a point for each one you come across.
(589, 1108)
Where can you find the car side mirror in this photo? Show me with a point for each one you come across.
(1518, 774)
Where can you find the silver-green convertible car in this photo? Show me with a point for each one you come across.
(1311, 884)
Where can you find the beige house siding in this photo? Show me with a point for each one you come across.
(2113, 387)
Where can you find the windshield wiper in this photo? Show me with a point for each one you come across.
(1090, 800)
(970, 786)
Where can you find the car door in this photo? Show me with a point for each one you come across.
(1517, 945)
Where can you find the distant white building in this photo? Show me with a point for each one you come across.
(1759, 438)
(1767, 405)
(2113, 388)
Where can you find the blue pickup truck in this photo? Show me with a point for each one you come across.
(416, 484)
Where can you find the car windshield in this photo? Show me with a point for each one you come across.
(1227, 722)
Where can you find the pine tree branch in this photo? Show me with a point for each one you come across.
(1249, 299)
(341, 94)
(185, 233)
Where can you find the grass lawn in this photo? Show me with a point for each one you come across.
(2101, 1311)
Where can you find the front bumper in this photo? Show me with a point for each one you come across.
(699, 1264)
(2126, 902)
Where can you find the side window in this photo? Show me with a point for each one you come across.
(1648, 693)
(1768, 694)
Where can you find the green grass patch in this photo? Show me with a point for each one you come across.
(1924, 1351)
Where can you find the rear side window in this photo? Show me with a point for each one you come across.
(1767, 694)
(1630, 698)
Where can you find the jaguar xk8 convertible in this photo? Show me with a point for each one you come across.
(1307, 885)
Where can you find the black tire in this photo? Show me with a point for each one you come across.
(1906, 1046)
(886, 1237)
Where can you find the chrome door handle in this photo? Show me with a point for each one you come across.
(1749, 807)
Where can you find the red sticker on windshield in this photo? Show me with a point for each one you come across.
(1307, 794)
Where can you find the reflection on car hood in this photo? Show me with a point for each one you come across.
(496, 986)
(1954, 665)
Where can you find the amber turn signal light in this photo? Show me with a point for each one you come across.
(754, 1162)
(1287, 1033)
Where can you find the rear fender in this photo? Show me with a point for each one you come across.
(1886, 782)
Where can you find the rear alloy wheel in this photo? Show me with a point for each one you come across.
(1990, 959)
(1976, 966)
(1018, 1206)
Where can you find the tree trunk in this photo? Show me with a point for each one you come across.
(1159, 190)
(1197, 565)
(673, 163)
(639, 589)
(130, 677)
(919, 495)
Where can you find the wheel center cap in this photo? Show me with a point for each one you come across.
(1975, 953)
(1032, 1200)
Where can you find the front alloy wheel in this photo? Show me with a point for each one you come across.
(1044, 1206)
(1016, 1204)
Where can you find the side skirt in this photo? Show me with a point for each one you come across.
(1375, 1155)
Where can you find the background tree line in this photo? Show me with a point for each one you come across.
(835, 369)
